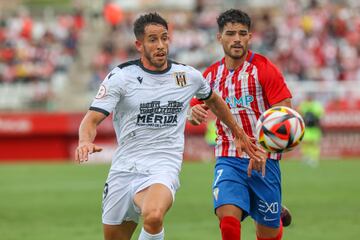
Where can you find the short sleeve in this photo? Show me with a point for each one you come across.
(273, 83)
(109, 93)
(204, 91)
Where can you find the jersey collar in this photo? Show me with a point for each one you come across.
(169, 63)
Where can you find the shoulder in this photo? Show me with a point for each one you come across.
(212, 68)
(265, 65)
(177, 63)
(129, 64)
(119, 73)
(116, 75)
(260, 60)
(180, 67)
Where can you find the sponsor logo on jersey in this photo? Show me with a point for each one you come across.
(180, 78)
(140, 79)
(152, 114)
(101, 93)
(243, 101)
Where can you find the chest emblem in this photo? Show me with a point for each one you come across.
(180, 78)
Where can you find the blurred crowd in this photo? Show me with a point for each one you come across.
(35, 49)
(316, 40)
(319, 40)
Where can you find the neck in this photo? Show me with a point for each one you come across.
(233, 63)
(148, 65)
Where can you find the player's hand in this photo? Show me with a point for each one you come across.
(257, 155)
(258, 165)
(84, 149)
(198, 113)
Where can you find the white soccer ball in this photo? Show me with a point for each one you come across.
(279, 129)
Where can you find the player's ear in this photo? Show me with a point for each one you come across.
(138, 45)
(250, 37)
(218, 36)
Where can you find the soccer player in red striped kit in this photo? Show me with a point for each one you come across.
(250, 84)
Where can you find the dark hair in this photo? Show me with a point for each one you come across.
(144, 20)
(233, 16)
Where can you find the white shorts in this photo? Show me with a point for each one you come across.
(119, 192)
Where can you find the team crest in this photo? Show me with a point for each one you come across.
(244, 76)
(180, 78)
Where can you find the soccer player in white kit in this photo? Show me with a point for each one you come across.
(149, 99)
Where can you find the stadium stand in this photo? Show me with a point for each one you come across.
(315, 41)
(53, 55)
(35, 54)
(53, 60)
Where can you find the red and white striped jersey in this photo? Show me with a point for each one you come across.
(248, 91)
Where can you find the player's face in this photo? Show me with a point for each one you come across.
(154, 47)
(235, 39)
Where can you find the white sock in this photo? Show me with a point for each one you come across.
(147, 236)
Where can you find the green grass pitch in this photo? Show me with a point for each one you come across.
(63, 201)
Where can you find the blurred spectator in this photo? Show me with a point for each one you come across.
(113, 14)
(315, 41)
(308, 40)
(312, 111)
(35, 49)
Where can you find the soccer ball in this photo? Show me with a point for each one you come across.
(280, 129)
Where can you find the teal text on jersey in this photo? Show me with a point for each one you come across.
(243, 101)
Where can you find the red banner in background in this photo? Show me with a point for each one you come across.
(41, 136)
(341, 130)
(343, 120)
(53, 136)
(34, 124)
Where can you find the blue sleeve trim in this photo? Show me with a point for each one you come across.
(252, 56)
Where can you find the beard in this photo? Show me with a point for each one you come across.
(234, 55)
(156, 63)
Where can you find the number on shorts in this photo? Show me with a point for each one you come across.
(106, 190)
(218, 172)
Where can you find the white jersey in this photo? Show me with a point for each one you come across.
(149, 113)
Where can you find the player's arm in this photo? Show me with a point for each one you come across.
(197, 112)
(87, 134)
(242, 141)
(285, 103)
